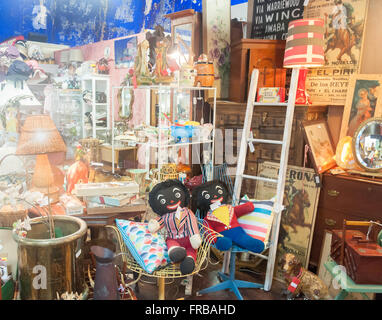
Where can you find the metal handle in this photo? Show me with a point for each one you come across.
(330, 222)
(333, 193)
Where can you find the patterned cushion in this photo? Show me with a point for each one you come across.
(149, 250)
(258, 223)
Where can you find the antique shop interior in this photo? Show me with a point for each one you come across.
(190, 150)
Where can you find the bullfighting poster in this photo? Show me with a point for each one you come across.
(298, 218)
(344, 33)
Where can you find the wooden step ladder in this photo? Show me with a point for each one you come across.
(280, 181)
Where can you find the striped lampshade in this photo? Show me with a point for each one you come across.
(305, 44)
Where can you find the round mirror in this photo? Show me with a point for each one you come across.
(367, 145)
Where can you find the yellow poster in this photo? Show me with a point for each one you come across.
(344, 32)
(298, 218)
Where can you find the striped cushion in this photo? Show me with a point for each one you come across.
(258, 223)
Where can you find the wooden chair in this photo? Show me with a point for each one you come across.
(171, 271)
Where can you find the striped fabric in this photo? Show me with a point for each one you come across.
(187, 226)
(305, 44)
(258, 223)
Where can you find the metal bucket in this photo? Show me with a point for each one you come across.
(50, 266)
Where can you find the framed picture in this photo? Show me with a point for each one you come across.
(216, 22)
(328, 85)
(362, 102)
(125, 51)
(320, 144)
(298, 218)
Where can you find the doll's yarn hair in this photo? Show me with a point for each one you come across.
(164, 185)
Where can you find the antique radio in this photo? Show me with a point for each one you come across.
(361, 257)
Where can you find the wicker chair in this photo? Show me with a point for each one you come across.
(171, 271)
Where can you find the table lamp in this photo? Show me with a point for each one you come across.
(64, 57)
(304, 49)
(39, 136)
(76, 56)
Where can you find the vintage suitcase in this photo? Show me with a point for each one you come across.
(362, 259)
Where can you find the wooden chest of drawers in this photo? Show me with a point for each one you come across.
(345, 197)
(267, 123)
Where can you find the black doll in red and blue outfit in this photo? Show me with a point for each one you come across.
(211, 200)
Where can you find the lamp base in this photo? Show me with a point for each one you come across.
(53, 194)
(43, 179)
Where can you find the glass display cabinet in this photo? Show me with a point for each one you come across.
(96, 106)
(68, 117)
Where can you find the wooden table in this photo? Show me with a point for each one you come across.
(124, 157)
(102, 218)
(348, 285)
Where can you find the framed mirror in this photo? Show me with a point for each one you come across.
(125, 101)
(186, 24)
(183, 37)
(367, 145)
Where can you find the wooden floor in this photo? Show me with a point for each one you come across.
(148, 289)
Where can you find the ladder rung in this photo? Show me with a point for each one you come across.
(265, 141)
(259, 178)
(276, 104)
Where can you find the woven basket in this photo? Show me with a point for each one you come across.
(8, 218)
(168, 176)
(168, 171)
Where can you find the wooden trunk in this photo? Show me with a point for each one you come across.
(363, 261)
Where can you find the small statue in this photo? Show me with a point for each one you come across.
(299, 280)
(153, 39)
(142, 71)
(78, 172)
(103, 66)
(161, 71)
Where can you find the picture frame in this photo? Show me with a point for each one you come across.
(216, 26)
(298, 219)
(321, 147)
(125, 51)
(188, 25)
(328, 85)
(363, 101)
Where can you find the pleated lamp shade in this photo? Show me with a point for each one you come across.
(64, 56)
(75, 55)
(39, 135)
(305, 44)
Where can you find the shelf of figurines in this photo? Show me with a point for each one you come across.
(171, 86)
(169, 136)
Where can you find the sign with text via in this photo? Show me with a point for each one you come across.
(271, 17)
